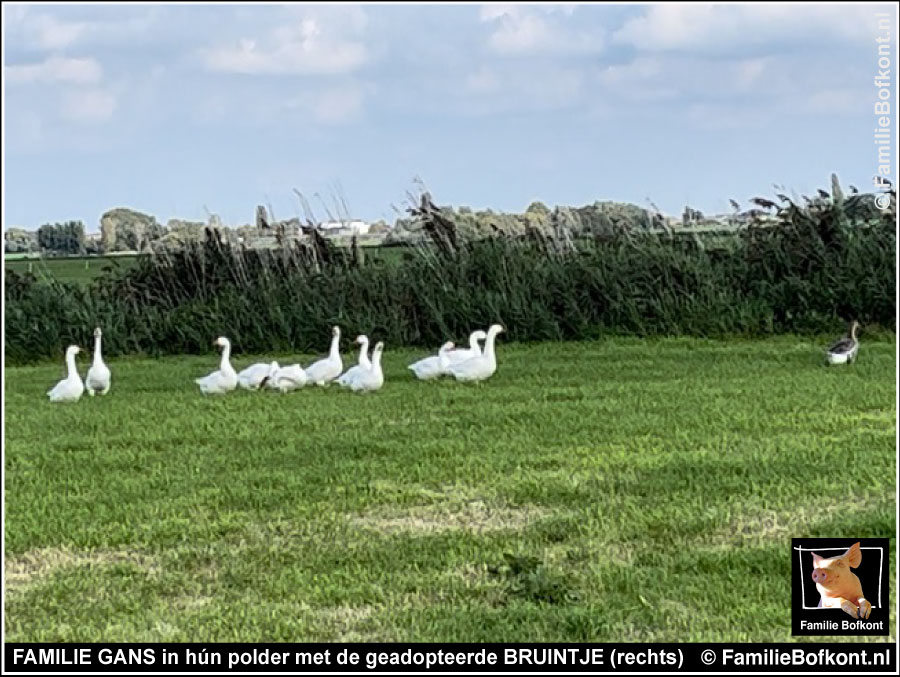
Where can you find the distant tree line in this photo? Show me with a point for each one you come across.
(62, 238)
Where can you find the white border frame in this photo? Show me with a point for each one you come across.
(800, 552)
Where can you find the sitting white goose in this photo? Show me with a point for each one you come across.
(481, 367)
(225, 379)
(287, 378)
(474, 350)
(363, 364)
(844, 350)
(71, 387)
(434, 366)
(371, 378)
(329, 368)
(256, 375)
(98, 376)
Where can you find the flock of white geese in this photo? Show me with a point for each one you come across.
(472, 364)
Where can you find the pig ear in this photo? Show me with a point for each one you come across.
(853, 555)
(816, 559)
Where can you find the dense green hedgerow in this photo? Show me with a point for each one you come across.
(812, 268)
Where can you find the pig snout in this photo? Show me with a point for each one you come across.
(820, 576)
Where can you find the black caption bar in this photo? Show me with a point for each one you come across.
(362, 658)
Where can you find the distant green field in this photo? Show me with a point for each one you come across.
(83, 269)
(620, 490)
(68, 269)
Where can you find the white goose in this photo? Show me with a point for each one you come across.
(371, 378)
(455, 356)
(225, 379)
(71, 387)
(287, 378)
(363, 364)
(844, 350)
(256, 375)
(434, 366)
(481, 367)
(98, 376)
(329, 368)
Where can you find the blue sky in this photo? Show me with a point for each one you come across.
(175, 109)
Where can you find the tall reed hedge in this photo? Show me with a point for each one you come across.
(821, 264)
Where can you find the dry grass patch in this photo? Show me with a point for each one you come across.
(757, 526)
(24, 571)
(473, 515)
(347, 623)
(451, 507)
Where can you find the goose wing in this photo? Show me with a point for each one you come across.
(844, 345)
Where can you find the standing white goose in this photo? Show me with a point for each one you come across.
(481, 367)
(844, 350)
(225, 379)
(371, 378)
(98, 376)
(455, 356)
(363, 363)
(287, 378)
(71, 387)
(329, 368)
(434, 366)
(256, 375)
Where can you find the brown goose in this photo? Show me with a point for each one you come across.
(844, 350)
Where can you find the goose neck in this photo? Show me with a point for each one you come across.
(70, 364)
(334, 352)
(489, 344)
(225, 364)
(363, 351)
(97, 358)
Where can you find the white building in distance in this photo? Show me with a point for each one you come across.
(355, 227)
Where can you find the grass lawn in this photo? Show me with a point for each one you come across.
(69, 269)
(84, 269)
(618, 490)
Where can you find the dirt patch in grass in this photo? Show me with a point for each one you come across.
(757, 526)
(473, 515)
(347, 623)
(21, 572)
(447, 508)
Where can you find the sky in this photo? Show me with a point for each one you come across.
(184, 110)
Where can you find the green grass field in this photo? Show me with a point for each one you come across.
(84, 269)
(68, 269)
(619, 490)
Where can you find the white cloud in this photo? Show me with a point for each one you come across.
(333, 105)
(704, 27)
(494, 10)
(309, 44)
(533, 29)
(483, 80)
(751, 72)
(56, 69)
(338, 105)
(504, 87)
(837, 101)
(45, 31)
(89, 105)
(48, 32)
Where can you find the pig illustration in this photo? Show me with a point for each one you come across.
(838, 585)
